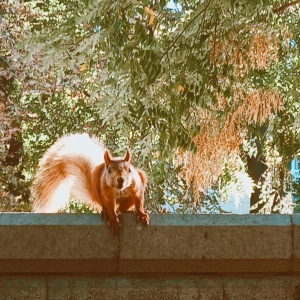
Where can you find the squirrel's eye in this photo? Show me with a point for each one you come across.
(109, 170)
(129, 170)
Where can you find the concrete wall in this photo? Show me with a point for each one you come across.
(74, 256)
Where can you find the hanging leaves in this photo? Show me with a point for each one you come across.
(151, 15)
(193, 79)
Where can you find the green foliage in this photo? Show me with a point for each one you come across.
(135, 75)
(76, 206)
(58, 115)
(143, 63)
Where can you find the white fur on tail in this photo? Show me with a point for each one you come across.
(65, 170)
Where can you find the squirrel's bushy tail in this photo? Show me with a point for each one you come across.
(66, 171)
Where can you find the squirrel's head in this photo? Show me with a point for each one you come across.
(118, 170)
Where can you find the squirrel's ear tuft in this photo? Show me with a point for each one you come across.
(107, 158)
(127, 155)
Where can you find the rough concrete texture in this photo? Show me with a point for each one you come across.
(56, 243)
(207, 243)
(149, 287)
(272, 287)
(209, 257)
(82, 243)
(22, 288)
(136, 288)
(296, 242)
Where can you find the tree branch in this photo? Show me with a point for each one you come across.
(285, 6)
(185, 28)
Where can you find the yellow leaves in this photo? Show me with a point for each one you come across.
(181, 88)
(257, 106)
(222, 101)
(218, 139)
(2, 107)
(263, 50)
(82, 68)
(221, 136)
(259, 51)
(151, 15)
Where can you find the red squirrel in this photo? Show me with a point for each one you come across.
(81, 167)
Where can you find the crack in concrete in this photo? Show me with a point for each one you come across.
(225, 296)
(47, 289)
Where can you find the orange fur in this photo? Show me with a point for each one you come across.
(71, 167)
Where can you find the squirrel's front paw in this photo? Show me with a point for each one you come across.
(115, 226)
(143, 217)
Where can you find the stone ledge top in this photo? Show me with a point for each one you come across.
(49, 219)
(156, 219)
(82, 243)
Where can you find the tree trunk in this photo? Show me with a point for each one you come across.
(256, 166)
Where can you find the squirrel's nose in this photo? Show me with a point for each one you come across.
(120, 182)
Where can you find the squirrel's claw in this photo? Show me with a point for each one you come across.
(144, 218)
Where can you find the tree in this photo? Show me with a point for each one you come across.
(196, 83)
(11, 178)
